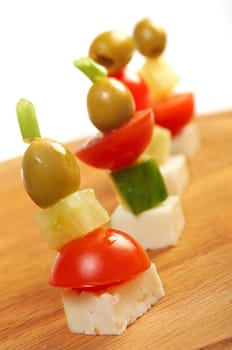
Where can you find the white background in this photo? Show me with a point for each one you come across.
(40, 39)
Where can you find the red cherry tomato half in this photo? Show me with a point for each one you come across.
(120, 147)
(103, 257)
(135, 83)
(175, 112)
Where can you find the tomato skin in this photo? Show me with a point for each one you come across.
(137, 85)
(174, 112)
(103, 257)
(120, 147)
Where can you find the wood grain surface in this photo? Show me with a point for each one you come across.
(196, 312)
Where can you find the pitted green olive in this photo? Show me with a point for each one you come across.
(49, 171)
(149, 39)
(110, 104)
(112, 49)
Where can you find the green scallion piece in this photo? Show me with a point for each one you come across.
(94, 71)
(27, 120)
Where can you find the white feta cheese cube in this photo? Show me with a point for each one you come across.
(113, 310)
(158, 227)
(175, 174)
(187, 141)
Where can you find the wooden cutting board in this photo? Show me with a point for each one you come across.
(197, 274)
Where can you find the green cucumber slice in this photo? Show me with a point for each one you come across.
(141, 185)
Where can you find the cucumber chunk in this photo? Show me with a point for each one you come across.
(71, 217)
(140, 186)
(159, 146)
(160, 77)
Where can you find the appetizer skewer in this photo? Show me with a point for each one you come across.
(105, 51)
(106, 278)
(138, 183)
(173, 111)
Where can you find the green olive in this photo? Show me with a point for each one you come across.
(112, 49)
(149, 39)
(110, 104)
(49, 171)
